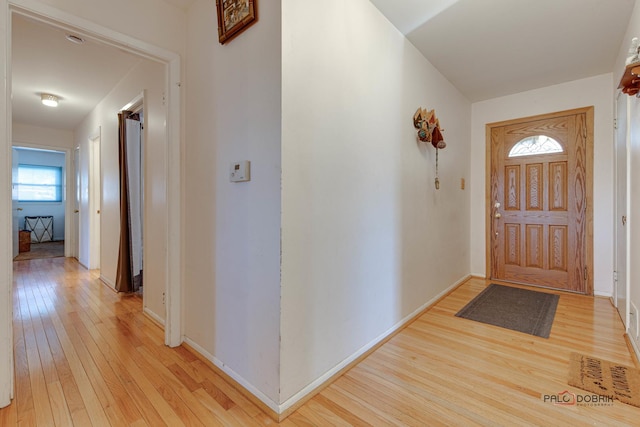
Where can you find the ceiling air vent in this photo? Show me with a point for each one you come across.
(75, 39)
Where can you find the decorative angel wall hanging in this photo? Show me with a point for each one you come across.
(429, 131)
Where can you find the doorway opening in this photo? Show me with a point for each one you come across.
(169, 151)
(131, 257)
(164, 155)
(39, 202)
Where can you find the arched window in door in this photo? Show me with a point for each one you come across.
(534, 145)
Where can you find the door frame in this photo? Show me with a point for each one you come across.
(75, 201)
(589, 112)
(172, 63)
(95, 199)
(68, 172)
(617, 215)
(14, 202)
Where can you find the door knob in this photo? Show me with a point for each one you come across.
(76, 211)
(498, 215)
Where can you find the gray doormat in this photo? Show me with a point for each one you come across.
(518, 309)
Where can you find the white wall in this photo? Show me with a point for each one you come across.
(55, 209)
(29, 135)
(594, 91)
(150, 77)
(633, 30)
(366, 238)
(232, 232)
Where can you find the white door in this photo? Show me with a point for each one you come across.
(84, 216)
(14, 200)
(76, 207)
(622, 137)
(95, 202)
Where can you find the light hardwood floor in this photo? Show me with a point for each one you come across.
(87, 356)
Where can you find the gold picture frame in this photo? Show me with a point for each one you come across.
(235, 16)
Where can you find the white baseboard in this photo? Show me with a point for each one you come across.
(635, 345)
(234, 375)
(159, 320)
(399, 325)
(603, 294)
(327, 376)
(107, 281)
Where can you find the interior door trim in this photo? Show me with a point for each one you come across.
(589, 113)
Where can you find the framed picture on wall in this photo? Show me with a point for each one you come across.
(235, 16)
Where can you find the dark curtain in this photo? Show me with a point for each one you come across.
(125, 280)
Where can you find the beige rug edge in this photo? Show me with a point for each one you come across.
(605, 378)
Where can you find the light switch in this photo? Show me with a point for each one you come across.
(240, 171)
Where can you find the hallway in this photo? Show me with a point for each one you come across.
(88, 356)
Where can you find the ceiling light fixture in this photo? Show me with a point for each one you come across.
(49, 100)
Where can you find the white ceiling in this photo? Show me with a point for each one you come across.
(486, 48)
(182, 4)
(491, 48)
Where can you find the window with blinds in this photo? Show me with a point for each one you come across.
(39, 183)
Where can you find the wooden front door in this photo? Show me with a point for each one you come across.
(538, 201)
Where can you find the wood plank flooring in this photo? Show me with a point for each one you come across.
(87, 356)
